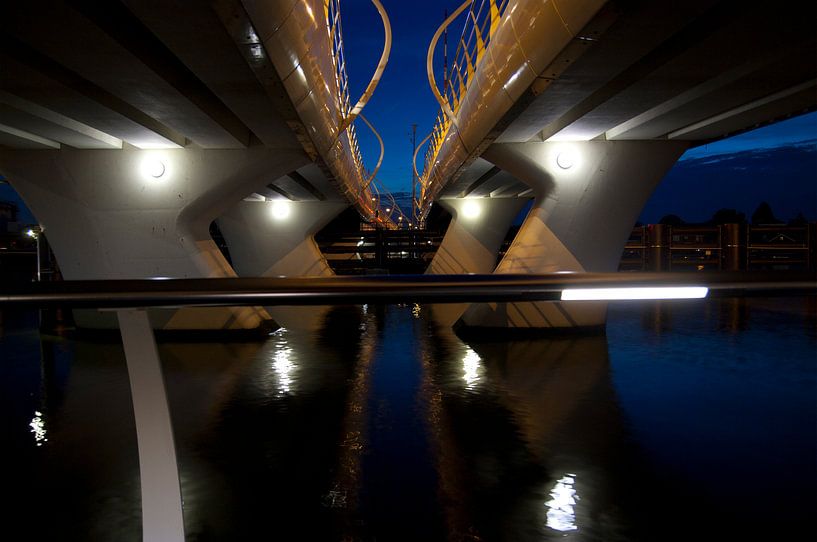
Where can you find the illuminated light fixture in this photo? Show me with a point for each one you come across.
(256, 51)
(388, 210)
(610, 294)
(153, 167)
(471, 209)
(280, 209)
(566, 159)
(31, 233)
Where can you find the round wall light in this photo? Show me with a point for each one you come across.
(153, 167)
(566, 158)
(281, 209)
(471, 209)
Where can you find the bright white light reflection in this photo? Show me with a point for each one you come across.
(606, 294)
(256, 51)
(280, 209)
(560, 506)
(283, 367)
(38, 428)
(471, 369)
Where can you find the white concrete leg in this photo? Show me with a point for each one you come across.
(135, 214)
(580, 221)
(162, 518)
(271, 239)
(471, 243)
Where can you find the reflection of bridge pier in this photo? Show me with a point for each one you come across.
(555, 464)
(128, 134)
(272, 442)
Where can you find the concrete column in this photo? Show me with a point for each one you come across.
(733, 247)
(659, 237)
(271, 239)
(162, 517)
(474, 236)
(472, 242)
(588, 196)
(135, 214)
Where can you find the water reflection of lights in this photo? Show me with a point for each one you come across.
(38, 428)
(283, 367)
(415, 310)
(561, 515)
(471, 369)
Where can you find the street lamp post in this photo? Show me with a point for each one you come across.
(35, 233)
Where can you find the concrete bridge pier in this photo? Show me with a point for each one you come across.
(588, 196)
(137, 214)
(276, 238)
(472, 242)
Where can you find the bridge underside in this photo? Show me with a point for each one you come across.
(93, 94)
(633, 88)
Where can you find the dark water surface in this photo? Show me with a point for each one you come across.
(688, 421)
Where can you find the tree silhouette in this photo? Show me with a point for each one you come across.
(764, 215)
(671, 220)
(727, 216)
(799, 220)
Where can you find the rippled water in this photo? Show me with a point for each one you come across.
(687, 421)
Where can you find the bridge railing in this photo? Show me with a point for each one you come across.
(727, 247)
(481, 22)
(303, 42)
(504, 48)
(369, 195)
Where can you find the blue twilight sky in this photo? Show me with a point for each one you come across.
(403, 96)
(737, 176)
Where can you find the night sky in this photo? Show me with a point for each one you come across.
(777, 164)
(733, 173)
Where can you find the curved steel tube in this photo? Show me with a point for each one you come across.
(417, 150)
(381, 65)
(382, 151)
(430, 62)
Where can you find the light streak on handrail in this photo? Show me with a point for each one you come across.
(122, 294)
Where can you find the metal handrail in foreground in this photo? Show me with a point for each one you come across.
(387, 289)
